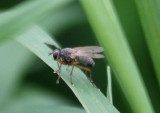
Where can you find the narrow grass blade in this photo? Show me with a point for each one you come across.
(91, 98)
(149, 11)
(106, 26)
(109, 87)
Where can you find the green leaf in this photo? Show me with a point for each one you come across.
(106, 26)
(14, 61)
(135, 36)
(34, 99)
(109, 87)
(22, 108)
(24, 14)
(150, 16)
(91, 98)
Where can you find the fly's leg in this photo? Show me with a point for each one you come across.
(59, 73)
(71, 75)
(87, 69)
(59, 69)
(73, 64)
(67, 67)
(85, 72)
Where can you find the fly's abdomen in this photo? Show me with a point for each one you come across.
(86, 61)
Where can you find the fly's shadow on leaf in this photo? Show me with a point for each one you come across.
(52, 45)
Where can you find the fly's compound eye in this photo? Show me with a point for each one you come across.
(56, 54)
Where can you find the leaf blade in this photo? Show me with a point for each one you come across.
(104, 21)
(20, 16)
(150, 16)
(109, 87)
(88, 95)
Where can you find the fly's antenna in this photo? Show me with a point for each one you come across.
(50, 53)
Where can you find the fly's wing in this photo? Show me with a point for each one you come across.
(89, 49)
(98, 56)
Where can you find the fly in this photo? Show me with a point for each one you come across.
(75, 57)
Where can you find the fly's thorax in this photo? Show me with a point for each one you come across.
(65, 55)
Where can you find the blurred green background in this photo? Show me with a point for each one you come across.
(28, 85)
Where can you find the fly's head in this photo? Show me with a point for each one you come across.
(56, 54)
